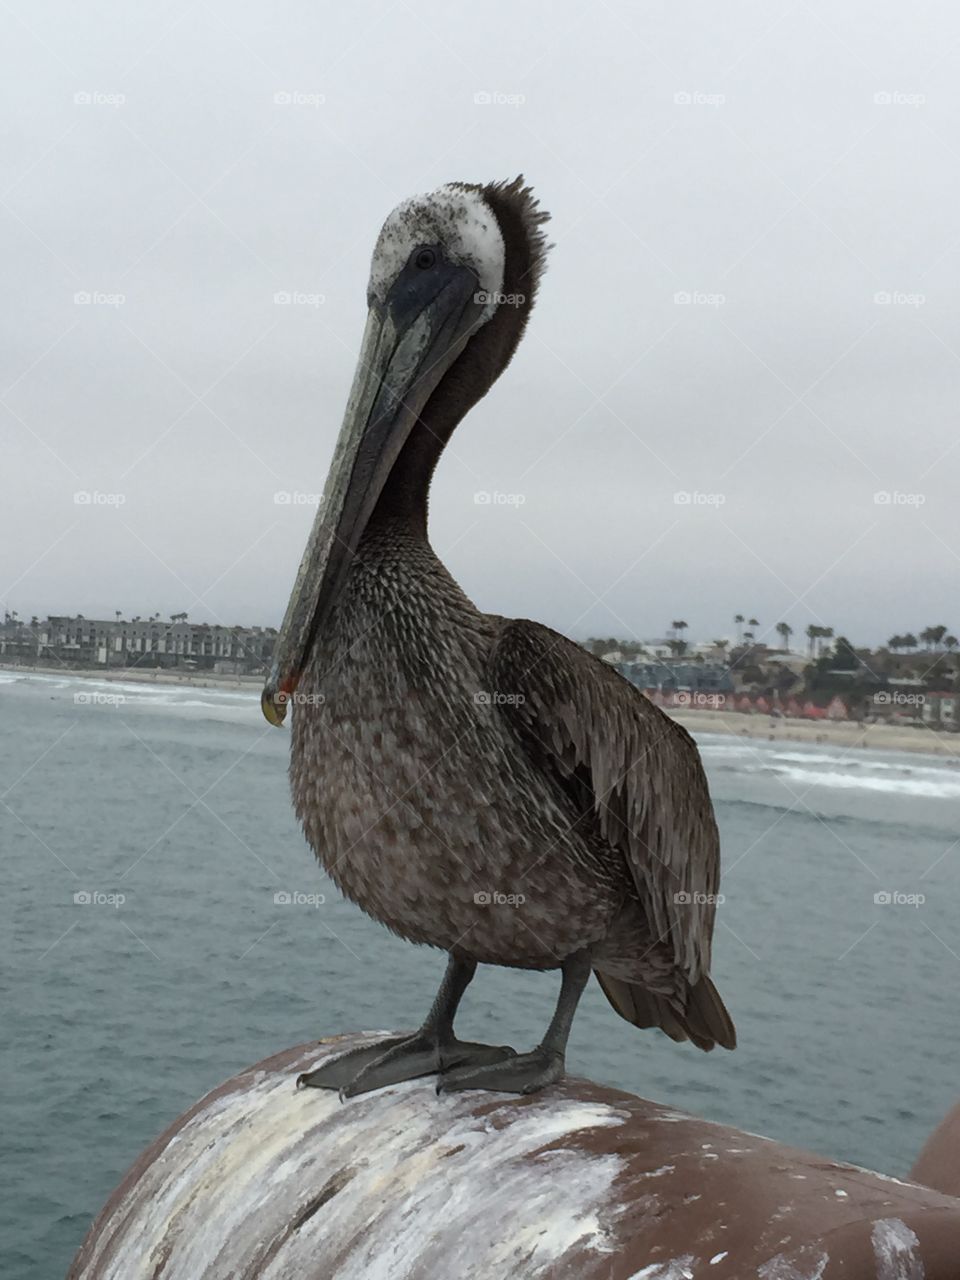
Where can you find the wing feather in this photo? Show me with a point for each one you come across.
(639, 770)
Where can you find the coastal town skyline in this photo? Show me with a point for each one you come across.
(747, 631)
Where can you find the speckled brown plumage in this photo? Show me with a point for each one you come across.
(442, 757)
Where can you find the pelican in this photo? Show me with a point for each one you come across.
(478, 784)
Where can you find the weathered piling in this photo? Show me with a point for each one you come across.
(258, 1181)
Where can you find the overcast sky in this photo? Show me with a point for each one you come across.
(785, 166)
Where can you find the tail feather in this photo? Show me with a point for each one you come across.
(704, 1020)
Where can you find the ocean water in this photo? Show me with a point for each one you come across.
(144, 956)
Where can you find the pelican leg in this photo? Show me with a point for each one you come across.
(431, 1049)
(528, 1072)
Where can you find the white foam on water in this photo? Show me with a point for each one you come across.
(947, 787)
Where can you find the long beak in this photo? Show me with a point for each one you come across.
(408, 344)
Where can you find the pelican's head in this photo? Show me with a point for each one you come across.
(454, 275)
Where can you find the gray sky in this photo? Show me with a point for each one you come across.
(782, 164)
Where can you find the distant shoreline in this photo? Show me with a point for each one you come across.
(834, 733)
(143, 675)
(734, 724)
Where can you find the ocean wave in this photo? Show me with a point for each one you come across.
(944, 787)
(157, 694)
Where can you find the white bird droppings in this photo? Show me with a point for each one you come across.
(896, 1249)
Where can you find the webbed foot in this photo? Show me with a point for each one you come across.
(398, 1059)
(524, 1073)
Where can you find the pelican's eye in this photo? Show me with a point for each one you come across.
(425, 258)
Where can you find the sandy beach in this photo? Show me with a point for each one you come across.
(838, 733)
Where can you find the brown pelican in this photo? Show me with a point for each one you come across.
(478, 783)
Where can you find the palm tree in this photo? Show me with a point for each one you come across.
(738, 619)
(785, 631)
(895, 643)
(117, 614)
(813, 634)
(909, 640)
(826, 633)
(680, 627)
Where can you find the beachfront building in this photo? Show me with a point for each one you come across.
(150, 643)
(942, 711)
(671, 675)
